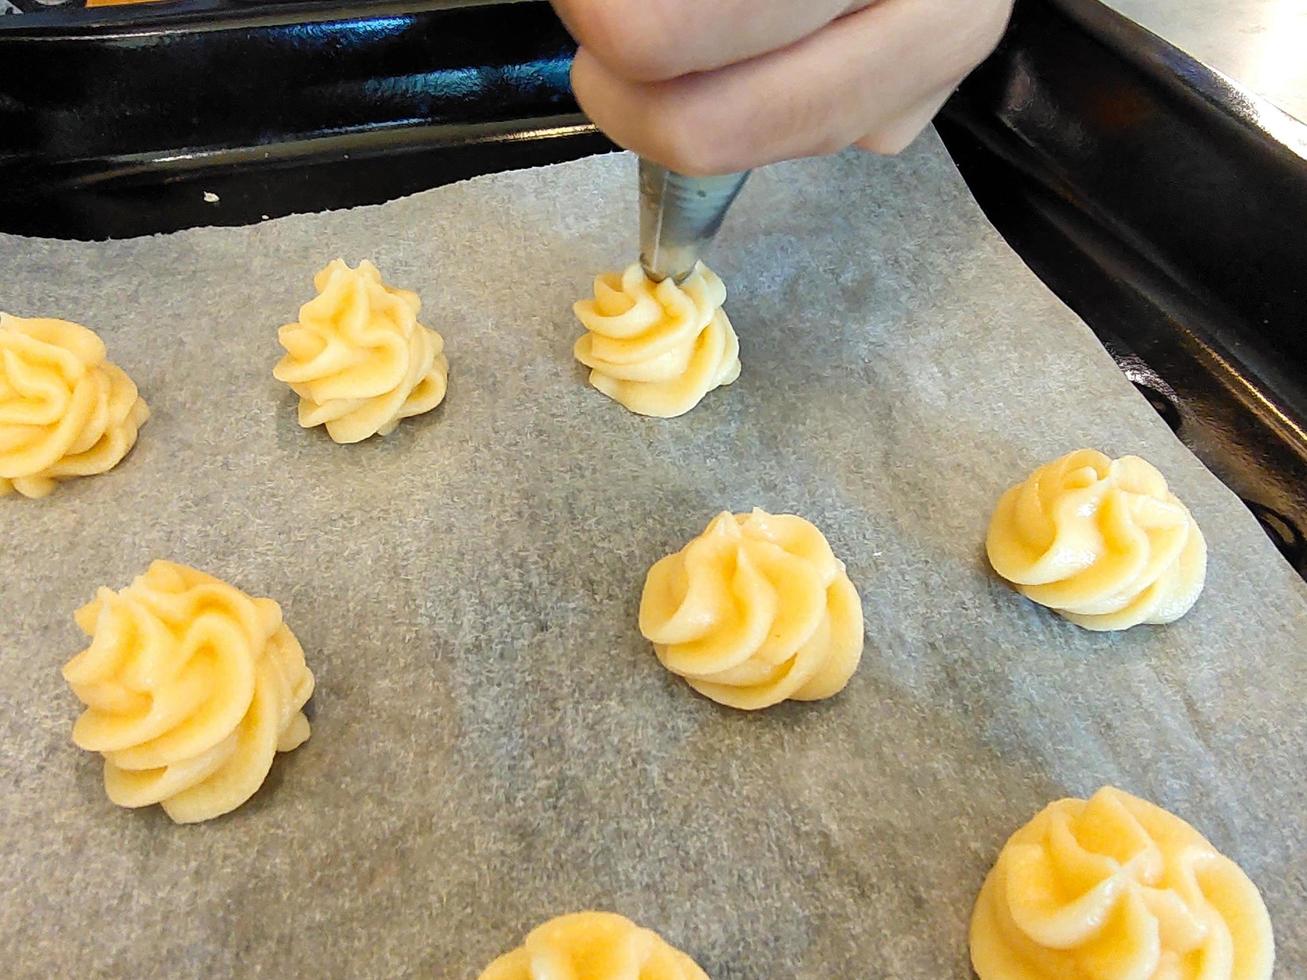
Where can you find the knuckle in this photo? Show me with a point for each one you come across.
(687, 145)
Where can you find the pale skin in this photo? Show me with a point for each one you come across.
(715, 86)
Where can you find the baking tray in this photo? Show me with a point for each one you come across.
(1159, 200)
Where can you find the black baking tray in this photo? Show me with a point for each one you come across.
(1160, 201)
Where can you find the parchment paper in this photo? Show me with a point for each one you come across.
(493, 743)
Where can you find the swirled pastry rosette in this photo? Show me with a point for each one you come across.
(65, 410)
(191, 687)
(1115, 888)
(593, 946)
(1101, 541)
(656, 347)
(754, 611)
(358, 358)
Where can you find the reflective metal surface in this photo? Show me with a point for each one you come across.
(117, 120)
(679, 217)
(1261, 44)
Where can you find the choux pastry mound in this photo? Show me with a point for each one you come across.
(191, 687)
(755, 610)
(593, 946)
(65, 410)
(657, 347)
(1114, 888)
(358, 358)
(1103, 542)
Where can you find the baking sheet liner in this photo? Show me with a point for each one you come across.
(493, 743)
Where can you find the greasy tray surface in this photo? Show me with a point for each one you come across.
(493, 743)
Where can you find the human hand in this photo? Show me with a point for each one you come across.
(714, 86)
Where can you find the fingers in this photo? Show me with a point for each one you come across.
(656, 40)
(875, 77)
(895, 135)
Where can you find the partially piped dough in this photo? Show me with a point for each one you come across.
(755, 610)
(65, 410)
(1102, 541)
(657, 347)
(191, 687)
(593, 946)
(1115, 888)
(358, 358)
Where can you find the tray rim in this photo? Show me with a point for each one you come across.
(201, 16)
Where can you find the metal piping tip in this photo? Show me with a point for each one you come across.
(679, 217)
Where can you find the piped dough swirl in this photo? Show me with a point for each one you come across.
(1119, 889)
(191, 687)
(358, 358)
(593, 946)
(65, 410)
(755, 610)
(1101, 541)
(656, 347)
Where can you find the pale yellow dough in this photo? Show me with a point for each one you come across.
(191, 687)
(657, 348)
(358, 358)
(593, 946)
(1114, 888)
(755, 610)
(65, 410)
(1101, 541)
